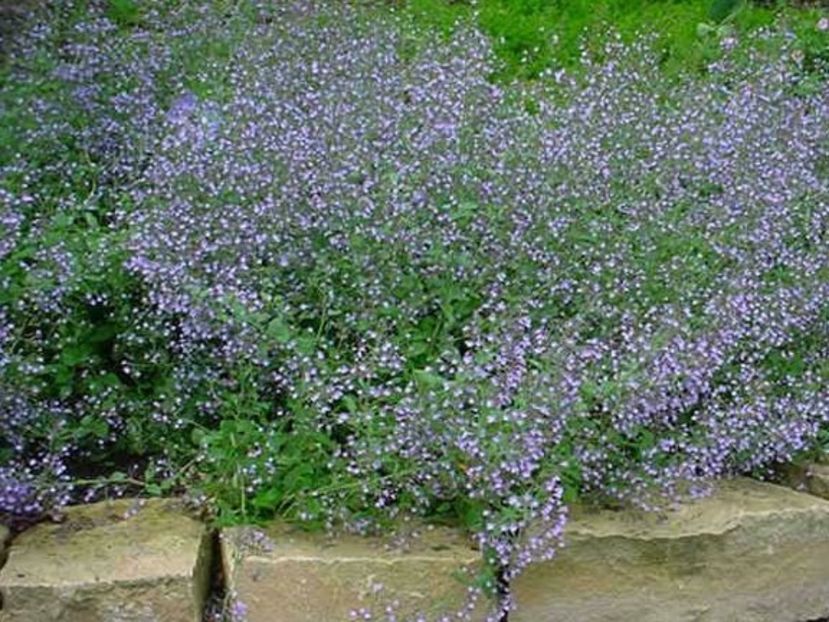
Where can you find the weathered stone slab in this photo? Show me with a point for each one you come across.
(752, 552)
(285, 575)
(109, 562)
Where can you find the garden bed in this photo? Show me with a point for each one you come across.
(329, 265)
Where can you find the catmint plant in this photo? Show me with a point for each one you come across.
(313, 262)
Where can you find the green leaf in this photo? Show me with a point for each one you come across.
(103, 332)
(124, 12)
(427, 379)
(94, 426)
(267, 499)
(464, 213)
(197, 436)
(703, 29)
(720, 10)
(307, 344)
(471, 513)
(350, 403)
(75, 354)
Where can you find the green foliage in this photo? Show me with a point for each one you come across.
(723, 9)
(533, 35)
(125, 13)
(93, 365)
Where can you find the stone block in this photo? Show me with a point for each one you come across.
(751, 552)
(109, 562)
(281, 574)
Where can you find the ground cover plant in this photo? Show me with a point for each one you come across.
(530, 36)
(312, 261)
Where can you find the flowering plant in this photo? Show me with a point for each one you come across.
(299, 262)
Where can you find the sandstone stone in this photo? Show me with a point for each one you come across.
(109, 562)
(295, 576)
(752, 552)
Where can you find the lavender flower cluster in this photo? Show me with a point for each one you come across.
(336, 272)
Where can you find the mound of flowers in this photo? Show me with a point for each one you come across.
(312, 262)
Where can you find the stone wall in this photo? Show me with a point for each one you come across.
(750, 552)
